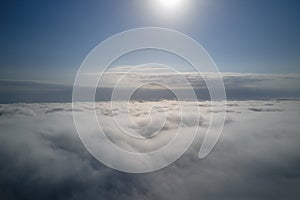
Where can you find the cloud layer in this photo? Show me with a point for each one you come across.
(257, 157)
(238, 86)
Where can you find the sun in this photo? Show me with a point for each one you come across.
(171, 10)
(170, 4)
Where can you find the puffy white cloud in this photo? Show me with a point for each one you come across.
(257, 156)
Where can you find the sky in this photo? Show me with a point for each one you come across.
(48, 40)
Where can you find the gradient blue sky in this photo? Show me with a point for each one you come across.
(48, 40)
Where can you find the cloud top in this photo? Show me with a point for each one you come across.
(257, 156)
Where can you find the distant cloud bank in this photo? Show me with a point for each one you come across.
(237, 85)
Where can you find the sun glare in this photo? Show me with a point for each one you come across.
(169, 4)
(169, 10)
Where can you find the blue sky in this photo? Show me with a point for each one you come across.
(48, 40)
